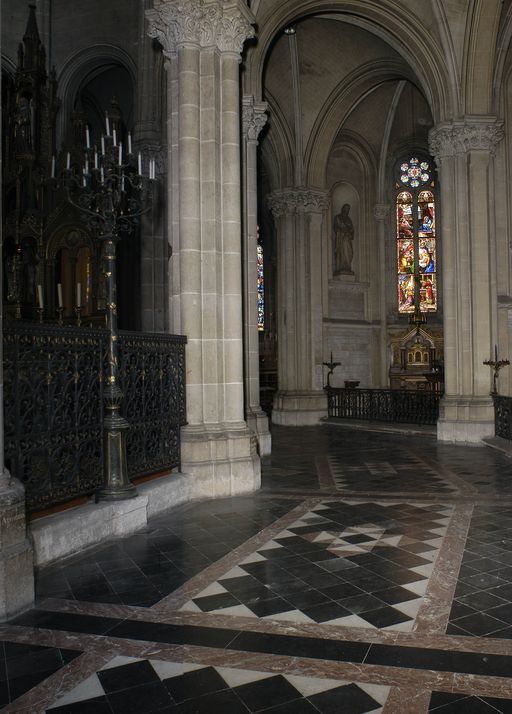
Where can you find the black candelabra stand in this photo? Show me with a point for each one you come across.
(111, 193)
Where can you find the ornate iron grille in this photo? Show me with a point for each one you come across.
(503, 416)
(54, 408)
(390, 405)
(152, 375)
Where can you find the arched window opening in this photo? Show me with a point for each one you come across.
(260, 285)
(416, 236)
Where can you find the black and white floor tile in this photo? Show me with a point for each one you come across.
(352, 563)
(129, 684)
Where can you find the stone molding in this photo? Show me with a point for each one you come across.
(292, 200)
(204, 23)
(460, 137)
(381, 211)
(254, 117)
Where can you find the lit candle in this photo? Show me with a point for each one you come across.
(140, 164)
(129, 144)
(120, 153)
(40, 296)
(68, 161)
(114, 137)
(107, 124)
(87, 137)
(59, 294)
(53, 166)
(79, 294)
(103, 146)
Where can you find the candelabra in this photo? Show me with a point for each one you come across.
(111, 193)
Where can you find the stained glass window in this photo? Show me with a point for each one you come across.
(261, 287)
(416, 236)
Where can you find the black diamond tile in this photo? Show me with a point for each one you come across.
(266, 693)
(225, 702)
(141, 699)
(195, 684)
(326, 611)
(98, 705)
(216, 602)
(392, 596)
(348, 698)
(384, 617)
(127, 675)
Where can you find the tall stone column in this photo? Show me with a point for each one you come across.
(254, 117)
(16, 556)
(148, 140)
(299, 217)
(204, 39)
(381, 214)
(464, 152)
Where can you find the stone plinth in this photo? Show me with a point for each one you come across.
(466, 420)
(16, 560)
(299, 408)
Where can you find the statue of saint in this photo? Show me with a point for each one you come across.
(343, 230)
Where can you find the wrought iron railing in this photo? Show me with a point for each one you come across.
(53, 406)
(390, 405)
(503, 416)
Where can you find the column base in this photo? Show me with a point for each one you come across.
(257, 421)
(465, 420)
(16, 557)
(221, 459)
(299, 408)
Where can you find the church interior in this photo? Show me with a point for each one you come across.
(256, 421)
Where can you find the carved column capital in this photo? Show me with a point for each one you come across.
(468, 134)
(204, 23)
(254, 117)
(292, 200)
(381, 211)
(154, 150)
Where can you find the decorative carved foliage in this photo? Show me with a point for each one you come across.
(297, 199)
(460, 137)
(175, 23)
(254, 117)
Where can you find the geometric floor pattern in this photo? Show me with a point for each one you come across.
(127, 683)
(407, 473)
(349, 563)
(371, 573)
(483, 598)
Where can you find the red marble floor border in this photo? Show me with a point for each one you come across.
(98, 651)
(459, 643)
(434, 611)
(407, 700)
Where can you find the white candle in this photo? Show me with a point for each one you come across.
(59, 294)
(53, 166)
(95, 159)
(122, 182)
(68, 161)
(86, 170)
(140, 164)
(79, 294)
(102, 175)
(103, 146)
(107, 124)
(120, 153)
(129, 144)
(40, 296)
(114, 137)
(87, 137)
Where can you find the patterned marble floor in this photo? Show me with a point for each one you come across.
(371, 573)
